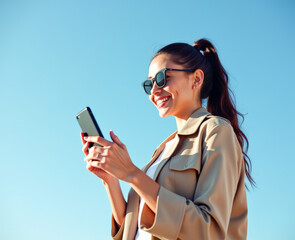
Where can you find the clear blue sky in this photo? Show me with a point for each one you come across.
(56, 57)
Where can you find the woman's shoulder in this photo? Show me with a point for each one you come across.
(213, 122)
(202, 119)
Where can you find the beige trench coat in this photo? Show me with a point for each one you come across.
(202, 191)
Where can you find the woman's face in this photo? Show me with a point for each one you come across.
(178, 97)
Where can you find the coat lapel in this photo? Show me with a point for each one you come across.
(166, 156)
(158, 151)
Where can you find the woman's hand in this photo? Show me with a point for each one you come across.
(106, 178)
(111, 158)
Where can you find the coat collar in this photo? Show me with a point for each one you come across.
(194, 121)
(190, 127)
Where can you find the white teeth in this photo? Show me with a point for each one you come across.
(162, 100)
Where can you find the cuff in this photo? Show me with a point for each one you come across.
(169, 215)
(117, 232)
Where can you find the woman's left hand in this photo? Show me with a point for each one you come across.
(111, 157)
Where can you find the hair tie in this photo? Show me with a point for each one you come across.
(200, 48)
(203, 49)
(196, 45)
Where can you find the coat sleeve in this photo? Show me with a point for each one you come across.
(206, 216)
(117, 231)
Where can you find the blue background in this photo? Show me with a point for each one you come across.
(56, 57)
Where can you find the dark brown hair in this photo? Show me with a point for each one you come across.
(202, 55)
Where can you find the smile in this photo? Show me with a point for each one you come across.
(161, 102)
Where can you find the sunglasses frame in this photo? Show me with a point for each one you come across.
(165, 81)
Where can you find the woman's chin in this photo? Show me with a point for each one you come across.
(163, 113)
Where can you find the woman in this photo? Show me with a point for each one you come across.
(193, 187)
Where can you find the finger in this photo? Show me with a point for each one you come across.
(85, 148)
(93, 157)
(96, 149)
(82, 138)
(95, 164)
(89, 159)
(88, 165)
(116, 139)
(98, 139)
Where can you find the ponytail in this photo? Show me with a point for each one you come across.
(220, 101)
(215, 89)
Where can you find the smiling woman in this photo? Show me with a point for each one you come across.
(193, 187)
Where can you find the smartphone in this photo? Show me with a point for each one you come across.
(88, 124)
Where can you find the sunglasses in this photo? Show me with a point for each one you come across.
(160, 79)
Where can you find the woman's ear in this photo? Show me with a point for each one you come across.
(198, 77)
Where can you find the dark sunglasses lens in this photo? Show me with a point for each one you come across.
(160, 79)
(147, 85)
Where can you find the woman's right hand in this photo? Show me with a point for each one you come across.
(106, 178)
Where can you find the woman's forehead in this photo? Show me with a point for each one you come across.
(160, 62)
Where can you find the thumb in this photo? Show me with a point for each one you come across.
(116, 139)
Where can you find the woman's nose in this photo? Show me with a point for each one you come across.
(155, 89)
